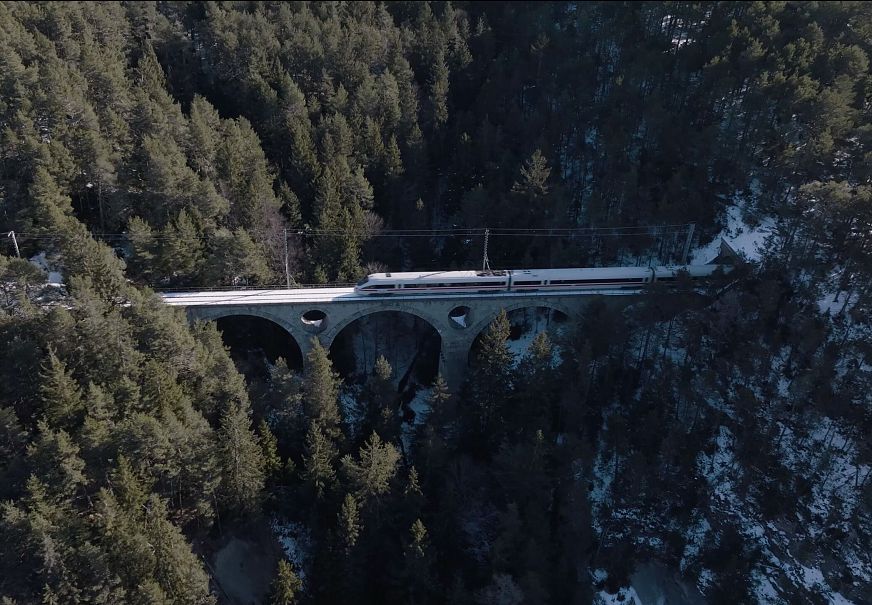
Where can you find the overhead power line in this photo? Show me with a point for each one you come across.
(650, 230)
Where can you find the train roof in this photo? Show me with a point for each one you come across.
(424, 275)
(542, 274)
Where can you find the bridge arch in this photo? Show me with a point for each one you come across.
(410, 339)
(333, 331)
(478, 327)
(280, 323)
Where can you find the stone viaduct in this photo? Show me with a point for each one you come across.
(457, 319)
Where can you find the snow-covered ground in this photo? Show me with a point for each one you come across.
(531, 322)
(54, 276)
(624, 596)
(780, 563)
(296, 542)
(742, 237)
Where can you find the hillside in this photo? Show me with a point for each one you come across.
(715, 446)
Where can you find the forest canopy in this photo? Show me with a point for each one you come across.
(154, 145)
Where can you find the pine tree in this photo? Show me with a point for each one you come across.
(415, 578)
(290, 206)
(235, 259)
(62, 404)
(178, 571)
(439, 90)
(318, 460)
(272, 462)
(349, 523)
(50, 210)
(371, 472)
(321, 391)
(241, 460)
(205, 128)
(491, 381)
(12, 437)
(440, 393)
(54, 459)
(143, 249)
(534, 177)
(98, 425)
(181, 252)
(286, 585)
(129, 489)
(382, 402)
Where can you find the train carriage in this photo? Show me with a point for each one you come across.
(524, 280)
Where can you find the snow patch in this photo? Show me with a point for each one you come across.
(54, 277)
(624, 596)
(744, 239)
(420, 407)
(533, 321)
(296, 542)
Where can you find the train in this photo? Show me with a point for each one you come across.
(528, 280)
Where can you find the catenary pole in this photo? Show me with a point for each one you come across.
(287, 264)
(485, 262)
(14, 243)
(686, 252)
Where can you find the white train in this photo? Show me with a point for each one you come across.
(520, 280)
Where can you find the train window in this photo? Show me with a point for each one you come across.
(605, 280)
(363, 281)
(528, 283)
(380, 287)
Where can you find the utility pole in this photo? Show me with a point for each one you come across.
(14, 243)
(287, 263)
(485, 262)
(687, 243)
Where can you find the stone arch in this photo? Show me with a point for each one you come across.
(213, 314)
(432, 352)
(333, 331)
(478, 327)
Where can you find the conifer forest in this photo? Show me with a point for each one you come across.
(702, 445)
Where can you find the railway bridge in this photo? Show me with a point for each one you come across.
(323, 313)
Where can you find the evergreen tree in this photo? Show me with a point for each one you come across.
(181, 250)
(380, 393)
(491, 381)
(439, 90)
(416, 576)
(371, 472)
(241, 461)
(55, 461)
(272, 462)
(286, 586)
(178, 571)
(349, 523)
(141, 263)
(318, 460)
(321, 391)
(62, 404)
(49, 210)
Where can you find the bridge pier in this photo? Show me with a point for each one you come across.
(453, 361)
